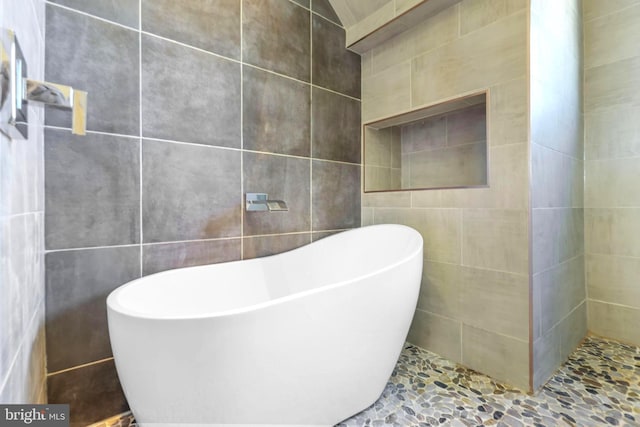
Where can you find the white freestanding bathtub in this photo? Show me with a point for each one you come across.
(306, 337)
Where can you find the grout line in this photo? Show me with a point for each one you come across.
(606, 302)
(67, 8)
(608, 14)
(558, 264)
(311, 119)
(242, 196)
(245, 63)
(174, 242)
(140, 177)
(119, 135)
(206, 51)
(131, 245)
(84, 365)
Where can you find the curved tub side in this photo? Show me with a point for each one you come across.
(305, 361)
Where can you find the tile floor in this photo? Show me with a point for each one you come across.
(598, 386)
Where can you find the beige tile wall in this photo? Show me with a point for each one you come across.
(476, 240)
(612, 165)
(559, 317)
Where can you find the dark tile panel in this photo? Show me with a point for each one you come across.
(334, 67)
(336, 195)
(77, 285)
(100, 58)
(336, 127)
(324, 8)
(275, 36)
(255, 247)
(304, 3)
(189, 192)
(276, 113)
(189, 95)
(209, 25)
(125, 12)
(92, 392)
(92, 190)
(160, 257)
(283, 178)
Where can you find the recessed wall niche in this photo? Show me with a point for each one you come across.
(439, 146)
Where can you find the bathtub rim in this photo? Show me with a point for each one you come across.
(114, 305)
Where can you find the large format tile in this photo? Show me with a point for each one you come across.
(458, 166)
(386, 93)
(275, 36)
(607, 86)
(615, 124)
(92, 392)
(276, 113)
(123, 12)
(612, 182)
(496, 53)
(336, 195)
(594, 9)
(208, 25)
(166, 256)
(503, 358)
(92, 190)
(440, 289)
(558, 235)
(324, 8)
(613, 279)
(612, 37)
(558, 179)
(99, 58)
(477, 14)
(254, 247)
(78, 283)
(615, 321)
(612, 231)
(562, 289)
(189, 192)
(180, 104)
(436, 333)
(440, 229)
(334, 67)
(505, 295)
(509, 113)
(421, 38)
(282, 178)
(336, 127)
(495, 239)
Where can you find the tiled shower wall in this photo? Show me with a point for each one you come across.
(474, 301)
(612, 165)
(559, 320)
(191, 105)
(22, 345)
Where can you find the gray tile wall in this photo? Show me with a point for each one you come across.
(474, 305)
(612, 168)
(22, 340)
(191, 104)
(559, 296)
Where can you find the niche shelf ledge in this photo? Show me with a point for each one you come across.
(387, 22)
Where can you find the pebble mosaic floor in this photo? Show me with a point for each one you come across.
(598, 386)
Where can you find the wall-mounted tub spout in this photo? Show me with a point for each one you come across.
(16, 91)
(257, 202)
